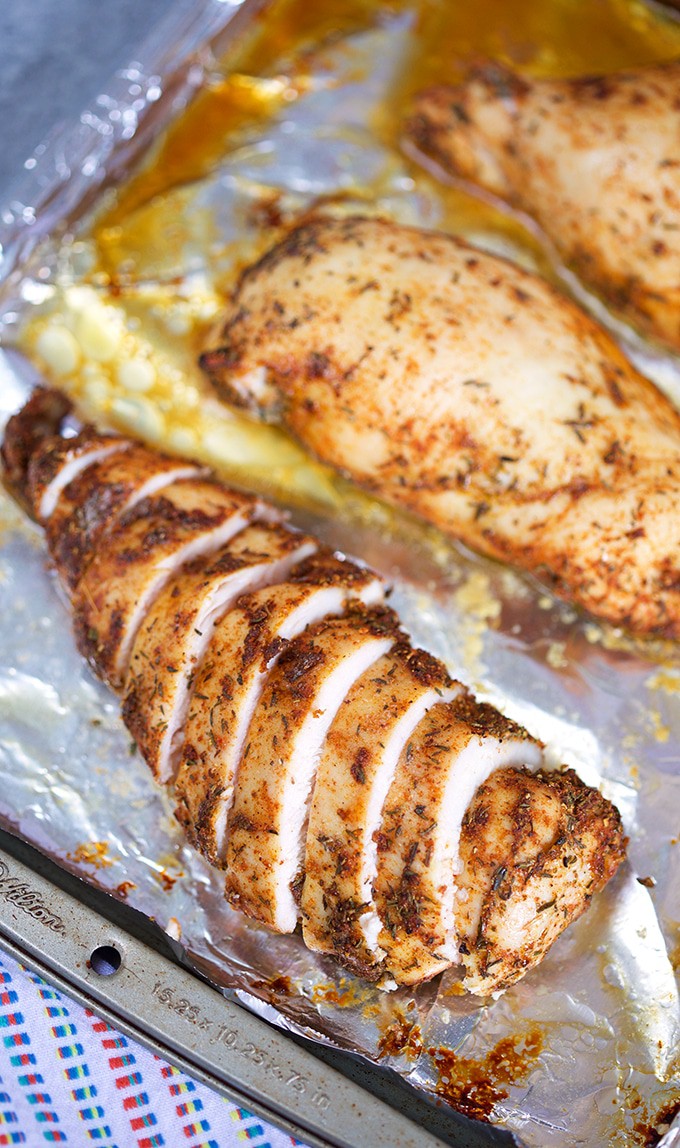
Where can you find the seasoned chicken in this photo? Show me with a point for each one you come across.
(453, 750)
(533, 851)
(37, 463)
(375, 723)
(55, 470)
(246, 644)
(109, 482)
(190, 518)
(337, 774)
(595, 161)
(178, 630)
(78, 485)
(267, 826)
(454, 384)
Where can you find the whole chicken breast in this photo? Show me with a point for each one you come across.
(594, 160)
(455, 384)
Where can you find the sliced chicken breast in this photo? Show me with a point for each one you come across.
(472, 853)
(453, 750)
(268, 821)
(246, 644)
(40, 455)
(533, 851)
(357, 767)
(150, 543)
(178, 629)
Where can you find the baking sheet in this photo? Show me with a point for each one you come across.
(585, 1049)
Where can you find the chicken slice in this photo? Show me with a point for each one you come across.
(56, 468)
(106, 486)
(594, 160)
(357, 767)
(245, 646)
(452, 383)
(178, 629)
(453, 750)
(268, 821)
(149, 543)
(534, 850)
(39, 460)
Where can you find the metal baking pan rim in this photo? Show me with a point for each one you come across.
(54, 923)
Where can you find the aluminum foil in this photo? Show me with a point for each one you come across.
(584, 1050)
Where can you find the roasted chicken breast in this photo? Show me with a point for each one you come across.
(337, 774)
(595, 161)
(453, 750)
(452, 383)
(185, 520)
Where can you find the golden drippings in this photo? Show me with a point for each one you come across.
(650, 1130)
(666, 680)
(345, 994)
(661, 732)
(273, 989)
(539, 37)
(168, 874)
(480, 610)
(474, 1087)
(93, 853)
(401, 1037)
(124, 889)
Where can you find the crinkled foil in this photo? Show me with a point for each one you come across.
(585, 1049)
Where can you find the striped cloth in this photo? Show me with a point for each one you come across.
(67, 1077)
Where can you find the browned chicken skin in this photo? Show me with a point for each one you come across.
(311, 721)
(595, 161)
(452, 383)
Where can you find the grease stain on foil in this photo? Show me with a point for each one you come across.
(474, 1087)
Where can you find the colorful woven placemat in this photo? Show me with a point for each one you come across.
(67, 1077)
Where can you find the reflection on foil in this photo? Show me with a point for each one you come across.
(585, 1048)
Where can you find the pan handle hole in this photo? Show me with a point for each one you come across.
(105, 960)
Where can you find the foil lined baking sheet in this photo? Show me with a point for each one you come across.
(585, 1049)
